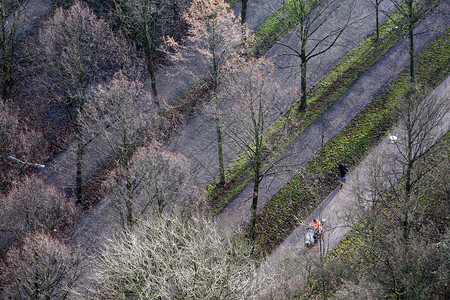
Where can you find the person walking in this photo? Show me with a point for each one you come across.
(342, 172)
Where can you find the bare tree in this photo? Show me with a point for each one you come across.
(308, 18)
(33, 206)
(119, 111)
(147, 21)
(260, 97)
(213, 33)
(412, 11)
(394, 228)
(154, 180)
(115, 117)
(43, 268)
(145, 176)
(419, 131)
(11, 23)
(175, 257)
(376, 5)
(74, 50)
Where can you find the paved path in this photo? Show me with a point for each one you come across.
(338, 205)
(337, 117)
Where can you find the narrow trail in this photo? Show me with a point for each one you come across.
(337, 117)
(338, 205)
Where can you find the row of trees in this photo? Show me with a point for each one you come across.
(69, 79)
(75, 50)
(401, 226)
(144, 27)
(177, 253)
(213, 32)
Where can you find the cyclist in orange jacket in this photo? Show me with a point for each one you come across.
(316, 225)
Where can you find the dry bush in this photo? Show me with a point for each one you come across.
(17, 140)
(306, 276)
(33, 206)
(175, 257)
(42, 268)
(364, 289)
(155, 180)
(119, 113)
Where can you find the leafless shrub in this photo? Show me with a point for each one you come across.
(18, 140)
(154, 180)
(42, 268)
(33, 206)
(175, 257)
(362, 290)
(306, 277)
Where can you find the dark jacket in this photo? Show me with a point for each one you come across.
(342, 169)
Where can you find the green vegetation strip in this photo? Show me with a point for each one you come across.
(321, 96)
(272, 29)
(301, 196)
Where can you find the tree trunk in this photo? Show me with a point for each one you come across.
(257, 180)
(412, 66)
(126, 165)
(217, 112)
(304, 60)
(129, 198)
(244, 12)
(151, 70)
(377, 21)
(219, 142)
(303, 103)
(79, 171)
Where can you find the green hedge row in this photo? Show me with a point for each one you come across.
(299, 197)
(321, 96)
